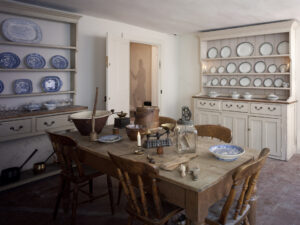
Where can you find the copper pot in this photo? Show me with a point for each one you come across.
(147, 116)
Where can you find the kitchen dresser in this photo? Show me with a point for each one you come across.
(248, 84)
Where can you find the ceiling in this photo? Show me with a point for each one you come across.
(181, 16)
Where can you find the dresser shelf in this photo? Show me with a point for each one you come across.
(240, 87)
(36, 94)
(245, 74)
(247, 57)
(38, 45)
(37, 70)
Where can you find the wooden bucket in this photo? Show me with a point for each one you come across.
(147, 116)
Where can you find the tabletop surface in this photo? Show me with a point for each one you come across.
(211, 172)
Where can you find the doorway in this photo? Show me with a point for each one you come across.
(143, 75)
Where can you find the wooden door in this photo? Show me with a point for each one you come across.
(207, 117)
(117, 75)
(237, 123)
(265, 132)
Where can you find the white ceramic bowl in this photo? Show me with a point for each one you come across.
(227, 152)
(235, 95)
(213, 94)
(50, 106)
(247, 96)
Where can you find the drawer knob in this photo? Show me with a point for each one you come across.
(240, 106)
(271, 109)
(212, 104)
(258, 108)
(16, 129)
(228, 106)
(49, 124)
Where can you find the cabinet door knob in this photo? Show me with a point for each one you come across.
(228, 106)
(49, 124)
(202, 103)
(258, 108)
(16, 129)
(212, 104)
(240, 106)
(271, 109)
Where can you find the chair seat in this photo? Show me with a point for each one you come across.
(215, 212)
(169, 210)
(89, 173)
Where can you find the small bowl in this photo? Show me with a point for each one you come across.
(121, 114)
(213, 94)
(227, 153)
(247, 96)
(235, 95)
(50, 106)
(132, 131)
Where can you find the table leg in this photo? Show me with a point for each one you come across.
(252, 202)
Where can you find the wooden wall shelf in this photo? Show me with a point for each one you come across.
(37, 94)
(38, 45)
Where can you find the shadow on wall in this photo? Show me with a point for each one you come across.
(91, 64)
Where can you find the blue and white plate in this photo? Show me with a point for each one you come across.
(35, 61)
(21, 30)
(9, 60)
(1, 86)
(23, 86)
(59, 62)
(227, 152)
(110, 138)
(51, 84)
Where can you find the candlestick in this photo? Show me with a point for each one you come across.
(139, 139)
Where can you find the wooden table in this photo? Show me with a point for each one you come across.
(194, 196)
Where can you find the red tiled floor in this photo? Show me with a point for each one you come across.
(278, 200)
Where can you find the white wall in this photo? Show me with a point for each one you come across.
(91, 73)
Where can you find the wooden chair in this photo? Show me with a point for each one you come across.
(73, 172)
(144, 204)
(215, 131)
(164, 119)
(222, 212)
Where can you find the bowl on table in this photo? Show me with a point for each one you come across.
(132, 131)
(227, 152)
(83, 121)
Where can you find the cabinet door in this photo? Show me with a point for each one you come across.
(265, 132)
(207, 117)
(237, 123)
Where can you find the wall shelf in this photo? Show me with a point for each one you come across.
(248, 57)
(38, 45)
(245, 74)
(37, 70)
(240, 87)
(36, 94)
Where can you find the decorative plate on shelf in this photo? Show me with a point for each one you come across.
(51, 84)
(283, 68)
(278, 82)
(223, 82)
(231, 68)
(212, 53)
(221, 69)
(213, 69)
(257, 82)
(225, 52)
(110, 138)
(245, 67)
(245, 81)
(35, 61)
(9, 60)
(283, 48)
(268, 82)
(1, 86)
(227, 152)
(259, 67)
(244, 49)
(23, 86)
(272, 68)
(233, 82)
(214, 82)
(21, 30)
(59, 62)
(266, 48)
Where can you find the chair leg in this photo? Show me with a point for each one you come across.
(130, 220)
(91, 188)
(110, 192)
(59, 195)
(74, 204)
(119, 193)
(66, 196)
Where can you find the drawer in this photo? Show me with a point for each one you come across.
(235, 106)
(208, 104)
(15, 127)
(266, 109)
(47, 122)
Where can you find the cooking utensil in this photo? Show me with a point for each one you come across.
(93, 134)
(12, 174)
(40, 167)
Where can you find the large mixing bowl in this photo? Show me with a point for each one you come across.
(83, 121)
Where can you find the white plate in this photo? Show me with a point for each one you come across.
(215, 82)
(244, 49)
(223, 82)
(213, 69)
(278, 82)
(259, 67)
(232, 82)
(257, 82)
(221, 69)
(272, 68)
(245, 81)
(268, 82)
(225, 52)
(266, 48)
(283, 47)
(283, 68)
(231, 68)
(245, 67)
(212, 53)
